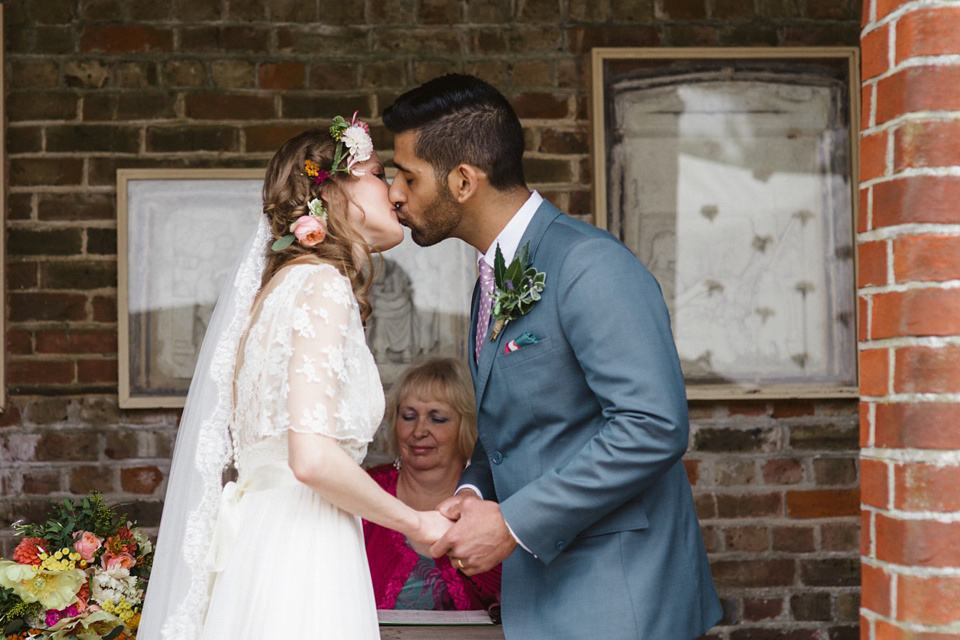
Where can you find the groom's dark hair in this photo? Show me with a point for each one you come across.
(460, 118)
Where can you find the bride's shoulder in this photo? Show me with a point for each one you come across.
(315, 278)
(314, 271)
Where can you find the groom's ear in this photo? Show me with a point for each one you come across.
(463, 181)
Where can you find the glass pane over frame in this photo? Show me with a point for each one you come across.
(182, 233)
(731, 180)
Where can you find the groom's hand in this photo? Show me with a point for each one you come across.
(451, 506)
(479, 540)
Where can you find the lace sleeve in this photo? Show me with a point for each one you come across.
(326, 336)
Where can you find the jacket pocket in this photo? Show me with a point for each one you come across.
(506, 360)
(629, 516)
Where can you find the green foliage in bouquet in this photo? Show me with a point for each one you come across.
(68, 516)
(79, 574)
(14, 612)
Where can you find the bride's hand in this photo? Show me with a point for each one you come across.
(431, 528)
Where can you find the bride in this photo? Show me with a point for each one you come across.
(287, 391)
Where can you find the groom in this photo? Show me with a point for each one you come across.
(581, 405)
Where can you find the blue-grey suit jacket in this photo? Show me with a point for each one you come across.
(580, 440)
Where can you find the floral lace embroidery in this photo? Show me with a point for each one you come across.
(306, 365)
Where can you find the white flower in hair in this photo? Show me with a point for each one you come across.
(360, 144)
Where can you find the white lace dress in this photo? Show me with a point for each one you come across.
(289, 564)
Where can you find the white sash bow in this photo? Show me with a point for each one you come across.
(227, 529)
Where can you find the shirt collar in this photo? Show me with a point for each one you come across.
(509, 238)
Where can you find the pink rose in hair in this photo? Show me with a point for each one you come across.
(121, 560)
(309, 230)
(86, 544)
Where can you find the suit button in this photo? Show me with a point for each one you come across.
(497, 457)
(560, 545)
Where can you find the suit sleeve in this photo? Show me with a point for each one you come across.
(613, 315)
(478, 473)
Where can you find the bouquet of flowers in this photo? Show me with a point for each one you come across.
(81, 574)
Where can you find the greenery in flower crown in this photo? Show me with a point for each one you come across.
(355, 134)
(354, 146)
(336, 132)
(69, 516)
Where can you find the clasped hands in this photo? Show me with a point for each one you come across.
(478, 540)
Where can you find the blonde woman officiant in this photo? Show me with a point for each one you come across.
(432, 430)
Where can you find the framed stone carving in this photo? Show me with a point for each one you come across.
(421, 304)
(731, 173)
(179, 235)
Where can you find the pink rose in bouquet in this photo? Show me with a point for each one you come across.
(86, 544)
(83, 596)
(121, 560)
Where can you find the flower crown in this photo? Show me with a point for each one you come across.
(311, 229)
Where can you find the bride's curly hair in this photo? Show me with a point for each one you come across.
(286, 191)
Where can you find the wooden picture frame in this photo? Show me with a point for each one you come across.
(3, 226)
(732, 174)
(178, 231)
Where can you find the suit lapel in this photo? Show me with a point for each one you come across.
(545, 214)
(472, 341)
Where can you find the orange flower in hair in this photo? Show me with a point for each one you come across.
(314, 171)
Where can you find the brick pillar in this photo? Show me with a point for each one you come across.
(909, 333)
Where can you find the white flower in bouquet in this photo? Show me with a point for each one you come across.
(143, 541)
(115, 584)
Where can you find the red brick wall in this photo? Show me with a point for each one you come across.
(94, 85)
(909, 241)
(776, 487)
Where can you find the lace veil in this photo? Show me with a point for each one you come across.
(180, 582)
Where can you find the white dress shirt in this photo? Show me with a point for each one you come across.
(510, 236)
(509, 241)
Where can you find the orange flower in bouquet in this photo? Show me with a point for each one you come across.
(29, 550)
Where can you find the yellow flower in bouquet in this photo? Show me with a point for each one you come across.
(121, 609)
(52, 589)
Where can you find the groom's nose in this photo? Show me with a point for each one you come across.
(395, 193)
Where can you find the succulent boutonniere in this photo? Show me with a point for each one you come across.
(517, 288)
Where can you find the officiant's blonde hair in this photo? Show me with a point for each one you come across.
(440, 379)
